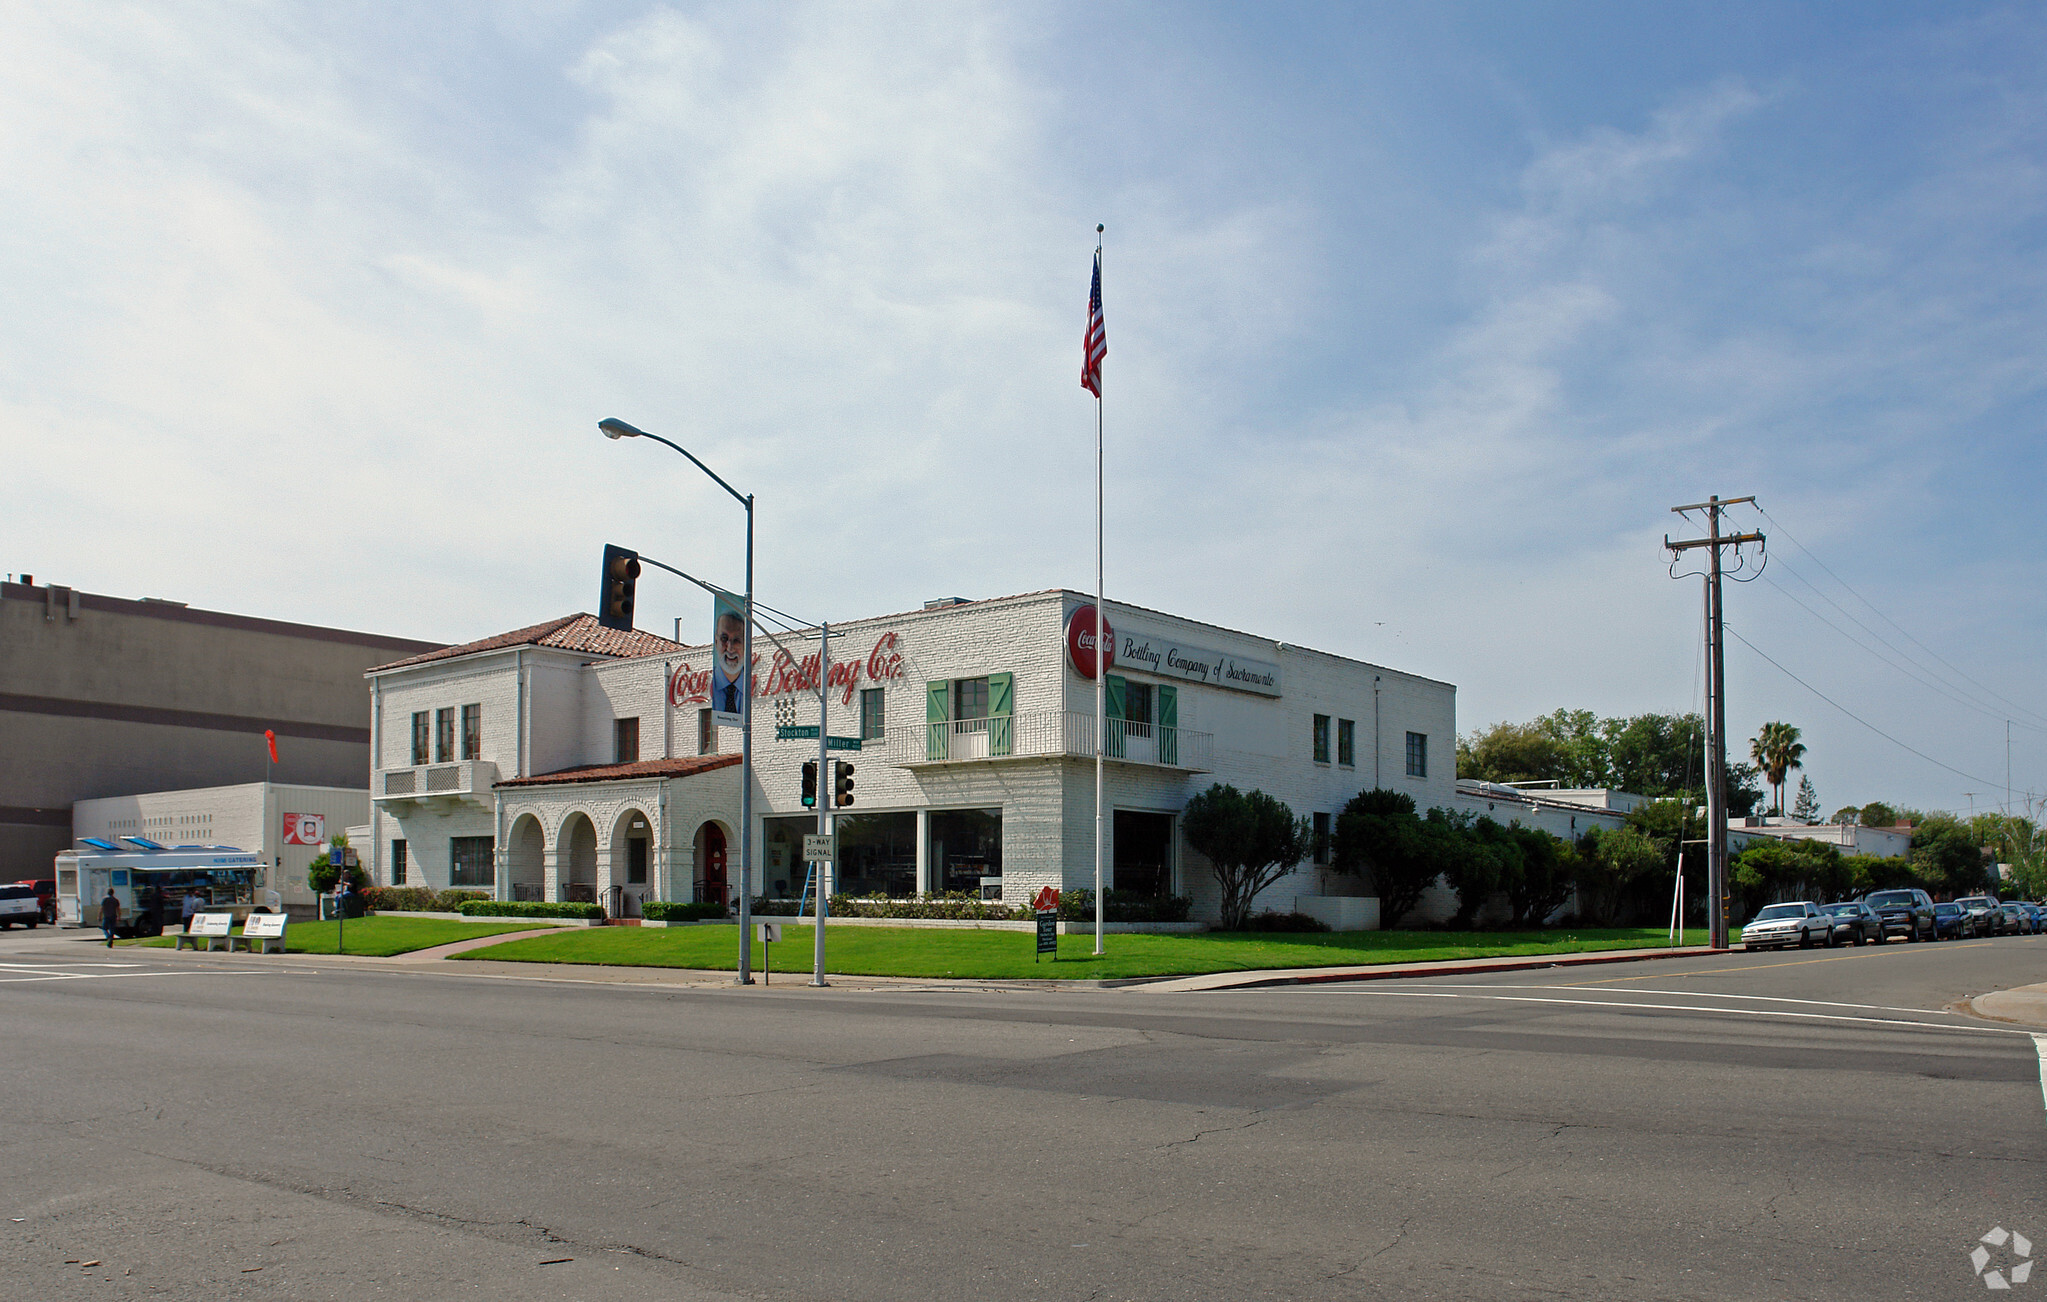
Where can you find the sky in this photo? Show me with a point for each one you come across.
(1420, 318)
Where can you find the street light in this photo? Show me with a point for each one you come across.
(614, 428)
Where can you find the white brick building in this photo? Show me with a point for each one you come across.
(569, 761)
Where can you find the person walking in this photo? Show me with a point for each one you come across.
(110, 915)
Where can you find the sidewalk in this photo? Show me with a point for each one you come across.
(2025, 1006)
(1386, 971)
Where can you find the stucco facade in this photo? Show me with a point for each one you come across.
(975, 769)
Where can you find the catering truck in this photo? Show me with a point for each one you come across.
(152, 882)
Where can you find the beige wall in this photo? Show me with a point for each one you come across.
(131, 696)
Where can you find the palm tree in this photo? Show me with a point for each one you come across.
(1777, 750)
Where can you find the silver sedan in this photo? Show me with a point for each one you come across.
(1802, 923)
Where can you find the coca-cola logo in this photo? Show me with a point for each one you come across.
(785, 674)
(1080, 641)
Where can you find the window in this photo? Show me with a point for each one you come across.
(707, 734)
(398, 863)
(1346, 742)
(1417, 754)
(1322, 838)
(965, 853)
(419, 737)
(625, 735)
(444, 735)
(871, 714)
(469, 861)
(970, 698)
(1321, 739)
(472, 732)
(1137, 709)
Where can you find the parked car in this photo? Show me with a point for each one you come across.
(1778, 925)
(46, 893)
(1950, 921)
(2039, 915)
(18, 904)
(1856, 922)
(1906, 912)
(2016, 921)
(1981, 911)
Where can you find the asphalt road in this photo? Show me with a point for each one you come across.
(1794, 1125)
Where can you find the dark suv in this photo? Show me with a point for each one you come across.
(1907, 913)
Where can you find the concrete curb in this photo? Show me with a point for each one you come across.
(1389, 971)
(2023, 1006)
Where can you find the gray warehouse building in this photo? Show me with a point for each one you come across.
(105, 696)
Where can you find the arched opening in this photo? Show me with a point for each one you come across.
(632, 864)
(526, 859)
(577, 856)
(710, 885)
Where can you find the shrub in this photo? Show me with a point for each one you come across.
(417, 899)
(956, 906)
(530, 909)
(1123, 906)
(677, 911)
(1284, 922)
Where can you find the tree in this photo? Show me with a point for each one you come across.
(1846, 816)
(1946, 857)
(1378, 837)
(1512, 752)
(321, 874)
(1548, 869)
(1807, 807)
(1877, 814)
(2023, 845)
(1612, 859)
(1777, 750)
(1251, 840)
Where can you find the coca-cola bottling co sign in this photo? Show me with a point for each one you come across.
(785, 674)
(1080, 640)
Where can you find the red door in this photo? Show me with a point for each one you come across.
(712, 889)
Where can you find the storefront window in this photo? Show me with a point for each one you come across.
(966, 847)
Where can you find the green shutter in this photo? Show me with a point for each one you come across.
(937, 706)
(1001, 706)
(1113, 690)
(1169, 724)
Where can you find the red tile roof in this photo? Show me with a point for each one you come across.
(569, 633)
(666, 768)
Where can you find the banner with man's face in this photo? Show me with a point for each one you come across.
(728, 658)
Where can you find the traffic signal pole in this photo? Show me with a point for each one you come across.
(824, 814)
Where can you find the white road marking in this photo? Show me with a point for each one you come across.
(2040, 1044)
(1702, 1008)
(1714, 994)
(115, 976)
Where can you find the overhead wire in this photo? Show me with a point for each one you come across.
(1987, 691)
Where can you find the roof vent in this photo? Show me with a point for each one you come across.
(938, 602)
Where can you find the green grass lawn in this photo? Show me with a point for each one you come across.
(378, 937)
(946, 952)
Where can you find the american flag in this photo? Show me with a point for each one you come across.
(1096, 346)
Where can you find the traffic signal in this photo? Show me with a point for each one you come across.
(615, 605)
(842, 784)
(810, 784)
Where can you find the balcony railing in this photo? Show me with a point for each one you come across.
(1042, 733)
(427, 781)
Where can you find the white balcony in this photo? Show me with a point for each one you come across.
(422, 783)
(1042, 734)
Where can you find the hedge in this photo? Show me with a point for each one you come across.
(960, 906)
(531, 909)
(677, 911)
(417, 899)
(1078, 905)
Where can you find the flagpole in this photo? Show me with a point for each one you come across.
(1101, 651)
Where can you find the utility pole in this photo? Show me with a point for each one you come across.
(1716, 708)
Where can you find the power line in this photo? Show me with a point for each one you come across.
(1851, 714)
(1986, 690)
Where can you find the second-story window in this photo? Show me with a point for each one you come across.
(419, 733)
(1321, 739)
(1417, 754)
(472, 732)
(707, 733)
(444, 735)
(1346, 742)
(970, 698)
(626, 733)
(871, 719)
